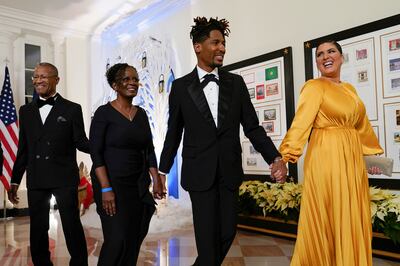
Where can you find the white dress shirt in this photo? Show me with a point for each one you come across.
(45, 110)
(211, 91)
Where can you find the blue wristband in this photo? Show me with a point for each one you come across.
(106, 189)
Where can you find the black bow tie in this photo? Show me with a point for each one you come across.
(207, 79)
(49, 101)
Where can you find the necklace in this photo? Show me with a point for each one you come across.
(129, 113)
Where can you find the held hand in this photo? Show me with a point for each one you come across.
(108, 199)
(158, 192)
(163, 181)
(12, 194)
(278, 170)
(374, 170)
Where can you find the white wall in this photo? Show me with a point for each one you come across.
(77, 80)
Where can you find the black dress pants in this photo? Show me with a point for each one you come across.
(214, 219)
(39, 207)
(123, 232)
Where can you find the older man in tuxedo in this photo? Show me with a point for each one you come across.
(210, 104)
(51, 129)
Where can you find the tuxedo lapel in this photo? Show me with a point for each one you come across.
(198, 97)
(36, 114)
(224, 98)
(36, 119)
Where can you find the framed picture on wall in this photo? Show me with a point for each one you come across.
(269, 80)
(271, 119)
(390, 43)
(266, 79)
(392, 133)
(253, 161)
(371, 63)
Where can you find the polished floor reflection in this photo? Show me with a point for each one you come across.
(175, 248)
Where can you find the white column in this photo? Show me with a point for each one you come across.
(97, 67)
(59, 61)
(77, 69)
(7, 51)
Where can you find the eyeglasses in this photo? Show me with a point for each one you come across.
(42, 77)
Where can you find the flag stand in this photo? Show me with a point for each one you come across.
(5, 218)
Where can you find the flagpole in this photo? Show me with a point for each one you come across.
(4, 204)
(4, 188)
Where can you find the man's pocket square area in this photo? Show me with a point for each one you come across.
(61, 119)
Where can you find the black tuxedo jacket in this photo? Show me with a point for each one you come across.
(48, 152)
(207, 147)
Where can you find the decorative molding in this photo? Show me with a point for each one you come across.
(9, 30)
(8, 37)
(51, 25)
(11, 17)
(58, 39)
(33, 39)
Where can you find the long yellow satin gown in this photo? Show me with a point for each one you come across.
(335, 221)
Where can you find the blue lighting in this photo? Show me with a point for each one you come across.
(144, 18)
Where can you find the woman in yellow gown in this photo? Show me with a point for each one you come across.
(335, 221)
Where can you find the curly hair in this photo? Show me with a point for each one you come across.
(115, 72)
(203, 26)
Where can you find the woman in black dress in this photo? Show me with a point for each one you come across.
(122, 152)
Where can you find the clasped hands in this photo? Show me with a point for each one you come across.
(159, 188)
(278, 170)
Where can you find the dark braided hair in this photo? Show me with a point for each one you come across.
(116, 72)
(202, 28)
(337, 45)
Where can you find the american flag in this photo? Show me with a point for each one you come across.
(8, 129)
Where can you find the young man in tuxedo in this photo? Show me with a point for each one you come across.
(50, 130)
(210, 104)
